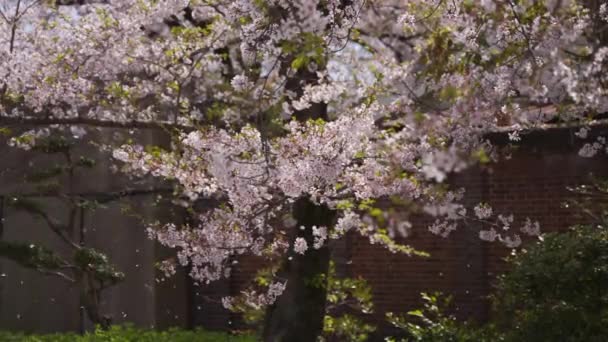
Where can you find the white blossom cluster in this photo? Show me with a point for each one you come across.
(500, 227)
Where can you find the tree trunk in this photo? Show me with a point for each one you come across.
(89, 298)
(297, 315)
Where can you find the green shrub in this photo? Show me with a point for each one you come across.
(349, 300)
(433, 324)
(130, 334)
(557, 289)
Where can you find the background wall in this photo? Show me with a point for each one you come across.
(33, 302)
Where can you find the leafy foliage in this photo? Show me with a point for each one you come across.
(345, 327)
(349, 299)
(30, 255)
(433, 324)
(557, 289)
(93, 260)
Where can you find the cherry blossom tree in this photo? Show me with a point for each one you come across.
(295, 122)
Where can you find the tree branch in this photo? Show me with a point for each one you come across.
(102, 197)
(14, 28)
(58, 274)
(129, 124)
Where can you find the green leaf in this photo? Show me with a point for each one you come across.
(416, 313)
(299, 62)
(5, 131)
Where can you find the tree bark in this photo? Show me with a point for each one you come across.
(297, 315)
(90, 298)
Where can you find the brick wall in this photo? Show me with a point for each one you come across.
(532, 183)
